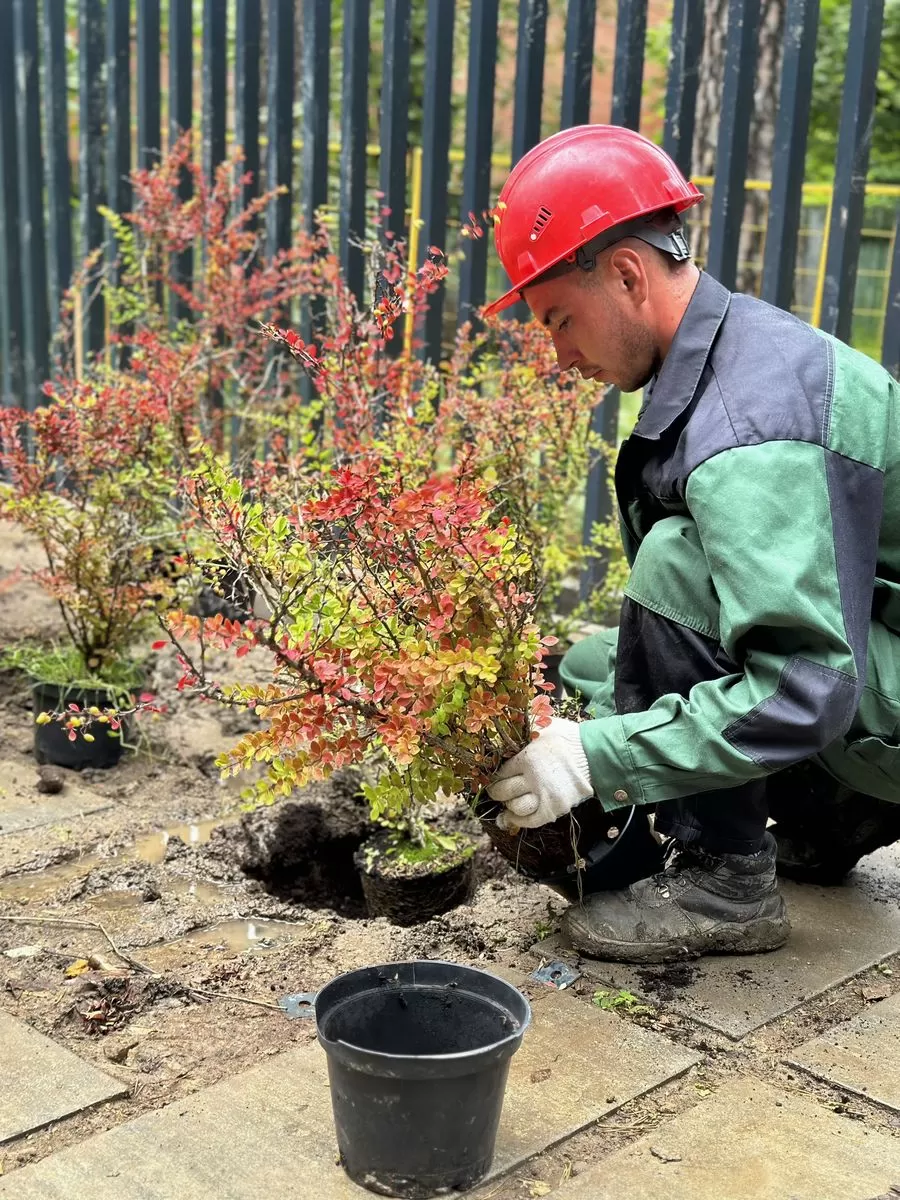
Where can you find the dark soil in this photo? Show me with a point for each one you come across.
(302, 851)
(664, 982)
(411, 896)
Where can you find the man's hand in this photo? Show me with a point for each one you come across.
(545, 780)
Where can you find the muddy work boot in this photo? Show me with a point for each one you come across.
(698, 904)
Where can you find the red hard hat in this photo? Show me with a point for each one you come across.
(573, 186)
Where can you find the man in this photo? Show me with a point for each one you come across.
(756, 668)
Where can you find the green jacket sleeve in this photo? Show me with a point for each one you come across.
(789, 532)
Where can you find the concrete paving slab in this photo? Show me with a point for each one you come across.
(862, 1055)
(22, 806)
(837, 932)
(269, 1131)
(749, 1141)
(41, 1082)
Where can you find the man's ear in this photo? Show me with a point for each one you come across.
(629, 273)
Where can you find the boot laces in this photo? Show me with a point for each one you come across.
(681, 866)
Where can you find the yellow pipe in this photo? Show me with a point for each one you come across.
(816, 315)
(415, 226)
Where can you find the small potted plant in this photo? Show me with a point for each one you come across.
(89, 475)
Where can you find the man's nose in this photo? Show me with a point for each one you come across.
(566, 354)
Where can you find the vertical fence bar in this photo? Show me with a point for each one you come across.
(118, 98)
(683, 80)
(529, 76)
(11, 332)
(246, 91)
(436, 116)
(279, 122)
(215, 16)
(733, 141)
(479, 140)
(394, 128)
(59, 175)
(315, 90)
(851, 165)
(628, 76)
(529, 96)
(91, 153)
(628, 68)
(181, 92)
(579, 63)
(149, 128)
(31, 201)
(354, 135)
(395, 113)
(789, 152)
(890, 343)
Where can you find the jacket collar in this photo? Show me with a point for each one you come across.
(668, 395)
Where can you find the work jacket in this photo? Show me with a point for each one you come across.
(781, 447)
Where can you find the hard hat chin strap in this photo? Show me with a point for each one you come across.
(674, 243)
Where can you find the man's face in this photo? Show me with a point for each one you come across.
(597, 327)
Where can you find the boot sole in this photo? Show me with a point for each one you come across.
(763, 935)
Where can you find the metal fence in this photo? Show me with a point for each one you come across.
(258, 73)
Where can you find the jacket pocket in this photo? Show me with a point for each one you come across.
(866, 764)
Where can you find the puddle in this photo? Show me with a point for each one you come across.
(152, 847)
(206, 893)
(238, 936)
(38, 886)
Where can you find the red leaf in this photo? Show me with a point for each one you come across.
(242, 650)
(159, 645)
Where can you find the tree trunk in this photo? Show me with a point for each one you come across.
(762, 126)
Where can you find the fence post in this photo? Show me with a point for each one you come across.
(149, 125)
(11, 332)
(479, 142)
(395, 113)
(579, 63)
(215, 16)
(628, 75)
(683, 80)
(733, 140)
(851, 165)
(789, 152)
(118, 99)
(246, 92)
(394, 130)
(31, 202)
(354, 135)
(890, 344)
(315, 92)
(59, 179)
(529, 76)
(181, 66)
(436, 154)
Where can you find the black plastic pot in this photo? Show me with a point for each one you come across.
(418, 1055)
(51, 742)
(612, 850)
(412, 899)
(551, 666)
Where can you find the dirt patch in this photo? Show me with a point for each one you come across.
(664, 982)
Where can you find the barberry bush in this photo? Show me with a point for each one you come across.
(399, 629)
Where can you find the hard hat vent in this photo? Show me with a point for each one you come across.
(541, 221)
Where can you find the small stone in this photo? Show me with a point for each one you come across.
(50, 780)
(880, 991)
(579, 1167)
(540, 1075)
(664, 1155)
(151, 893)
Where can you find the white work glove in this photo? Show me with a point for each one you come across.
(545, 780)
